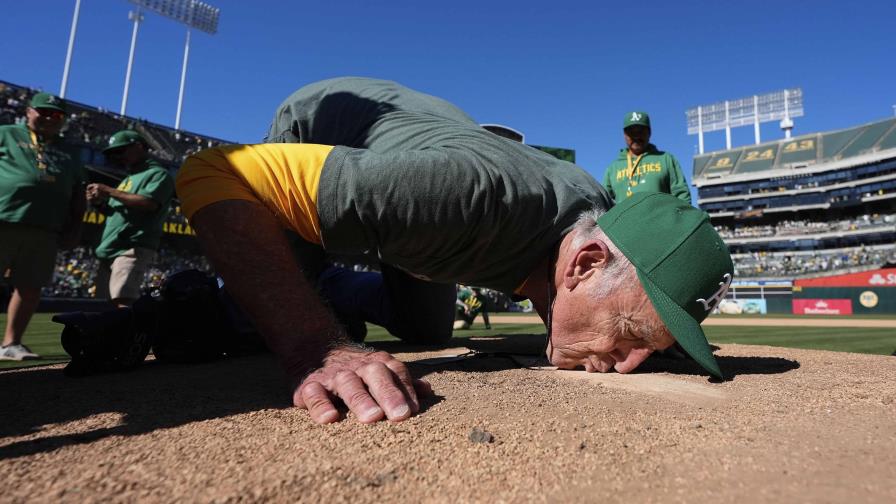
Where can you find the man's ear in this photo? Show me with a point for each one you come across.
(585, 261)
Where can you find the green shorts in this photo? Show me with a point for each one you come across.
(27, 253)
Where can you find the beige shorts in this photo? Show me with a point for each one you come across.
(121, 277)
(28, 253)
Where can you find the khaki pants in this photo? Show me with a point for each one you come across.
(121, 277)
(29, 253)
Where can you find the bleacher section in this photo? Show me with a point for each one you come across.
(807, 264)
(865, 230)
(785, 204)
(787, 156)
(90, 128)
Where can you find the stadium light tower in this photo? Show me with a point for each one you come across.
(192, 13)
(71, 45)
(784, 105)
(136, 17)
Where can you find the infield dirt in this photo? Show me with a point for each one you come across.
(788, 426)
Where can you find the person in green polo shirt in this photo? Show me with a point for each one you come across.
(136, 210)
(41, 208)
(641, 167)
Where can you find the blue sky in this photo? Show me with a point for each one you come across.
(563, 72)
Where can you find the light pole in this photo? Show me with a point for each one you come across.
(183, 80)
(71, 45)
(194, 14)
(136, 17)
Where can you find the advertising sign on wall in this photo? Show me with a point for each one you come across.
(743, 306)
(885, 277)
(822, 306)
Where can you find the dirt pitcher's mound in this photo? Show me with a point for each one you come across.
(790, 425)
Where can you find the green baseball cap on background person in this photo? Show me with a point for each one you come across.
(124, 138)
(636, 118)
(682, 262)
(47, 101)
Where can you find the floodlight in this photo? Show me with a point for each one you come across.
(779, 105)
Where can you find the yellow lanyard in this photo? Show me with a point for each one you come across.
(631, 167)
(38, 151)
(631, 171)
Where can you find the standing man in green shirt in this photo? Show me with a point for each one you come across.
(641, 167)
(136, 210)
(41, 208)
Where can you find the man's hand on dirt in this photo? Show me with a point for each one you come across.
(373, 385)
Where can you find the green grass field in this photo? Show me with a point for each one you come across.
(43, 337)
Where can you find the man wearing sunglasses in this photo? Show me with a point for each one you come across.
(369, 166)
(135, 211)
(641, 167)
(41, 209)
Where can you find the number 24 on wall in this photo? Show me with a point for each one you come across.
(758, 155)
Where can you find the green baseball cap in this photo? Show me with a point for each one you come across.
(683, 264)
(47, 101)
(636, 118)
(124, 138)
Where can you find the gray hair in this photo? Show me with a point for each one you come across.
(618, 275)
(619, 269)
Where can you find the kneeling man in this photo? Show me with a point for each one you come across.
(367, 166)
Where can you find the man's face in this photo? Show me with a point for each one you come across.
(127, 157)
(636, 138)
(45, 121)
(617, 332)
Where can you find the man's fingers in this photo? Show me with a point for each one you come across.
(316, 399)
(380, 382)
(423, 388)
(406, 381)
(350, 388)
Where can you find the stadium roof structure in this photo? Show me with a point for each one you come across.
(813, 153)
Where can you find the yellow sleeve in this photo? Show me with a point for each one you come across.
(282, 177)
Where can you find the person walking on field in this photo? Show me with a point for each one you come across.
(641, 167)
(41, 209)
(135, 210)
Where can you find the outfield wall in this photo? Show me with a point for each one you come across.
(761, 296)
(866, 293)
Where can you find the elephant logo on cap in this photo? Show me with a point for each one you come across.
(714, 300)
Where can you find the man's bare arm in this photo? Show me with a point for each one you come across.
(248, 248)
(130, 200)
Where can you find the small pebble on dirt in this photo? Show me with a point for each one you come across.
(478, 435)
(696, 425)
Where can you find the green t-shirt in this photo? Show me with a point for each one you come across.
(36, 181)
(127, 228)
(427, 189)
(653, 171)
